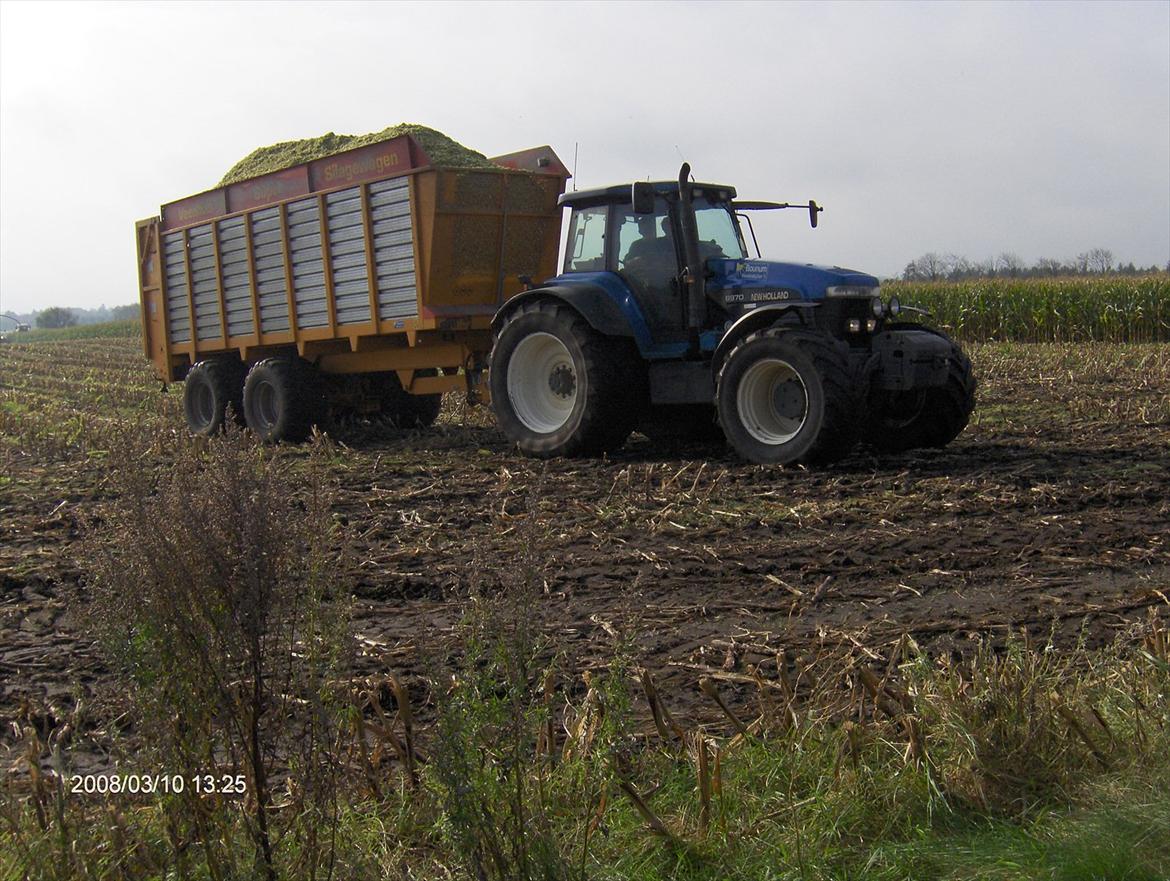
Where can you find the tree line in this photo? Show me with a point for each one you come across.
(955, 267)
(59, 316)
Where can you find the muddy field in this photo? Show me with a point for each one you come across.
(1050, 514)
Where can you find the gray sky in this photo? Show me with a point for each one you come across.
(972, 128)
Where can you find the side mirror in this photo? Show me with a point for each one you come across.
(813, 210)
(642, 195)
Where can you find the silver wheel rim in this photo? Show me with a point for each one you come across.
(266, 406)
(542, 383)
(772, 401)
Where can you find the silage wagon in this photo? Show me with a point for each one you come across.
(366, 279)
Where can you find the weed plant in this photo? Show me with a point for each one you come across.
(212, 584)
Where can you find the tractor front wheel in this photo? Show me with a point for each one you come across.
(932, 417)
(787, 397)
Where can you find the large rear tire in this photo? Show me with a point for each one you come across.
(213, 388)
(932, 417)
(788, 397)
(282, 400)
(558, 387)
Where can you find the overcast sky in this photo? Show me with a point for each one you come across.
(972, 128)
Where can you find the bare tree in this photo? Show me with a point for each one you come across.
(1100, 260)
(933, 267)
(1009, 263)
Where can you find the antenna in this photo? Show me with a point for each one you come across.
(574, 166)
(684, 159)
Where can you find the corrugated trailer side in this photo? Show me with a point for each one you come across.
(369, 260)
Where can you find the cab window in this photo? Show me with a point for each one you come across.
(586, 245)
(718, 234)
(646, 243)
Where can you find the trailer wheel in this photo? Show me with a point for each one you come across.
(282, 400)
(933, 417)
(788, 397)
(402, 409)
(211, 388)
(559, 388)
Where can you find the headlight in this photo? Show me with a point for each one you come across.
(851, 290)
(878, 307)
(895, 306)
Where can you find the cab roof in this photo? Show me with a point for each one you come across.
(620, 193)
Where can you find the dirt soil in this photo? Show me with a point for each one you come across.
(1050, 514)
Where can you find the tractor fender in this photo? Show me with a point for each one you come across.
(589, 301)
(753, 320)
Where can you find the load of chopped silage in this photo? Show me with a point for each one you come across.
(443, 151)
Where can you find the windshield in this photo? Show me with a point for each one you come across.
(717, 228)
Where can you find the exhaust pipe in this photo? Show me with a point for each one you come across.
(695, 276)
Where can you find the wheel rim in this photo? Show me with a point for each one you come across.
(772, 401)
(267, 407)
(542, 383)
(203, 404)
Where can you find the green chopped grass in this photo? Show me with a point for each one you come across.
(443, 151)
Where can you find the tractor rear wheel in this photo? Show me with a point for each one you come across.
(282, 400)
(788, 397)
(211, 388)
(932, 417)
(558, 387)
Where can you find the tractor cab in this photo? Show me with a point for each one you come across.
(645, 248)
(632, 241)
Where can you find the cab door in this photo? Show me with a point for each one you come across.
(647, 256)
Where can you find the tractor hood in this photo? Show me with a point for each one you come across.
(764, 281)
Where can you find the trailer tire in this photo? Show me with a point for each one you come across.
(282, 400)
(213, 389)
(402, 409)
(560, 388)
(788, 397)
(933, 417)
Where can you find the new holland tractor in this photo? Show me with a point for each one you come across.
(660, 322)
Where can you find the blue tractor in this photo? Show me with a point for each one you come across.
(660, 322)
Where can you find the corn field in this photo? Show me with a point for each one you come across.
(1115, 309)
